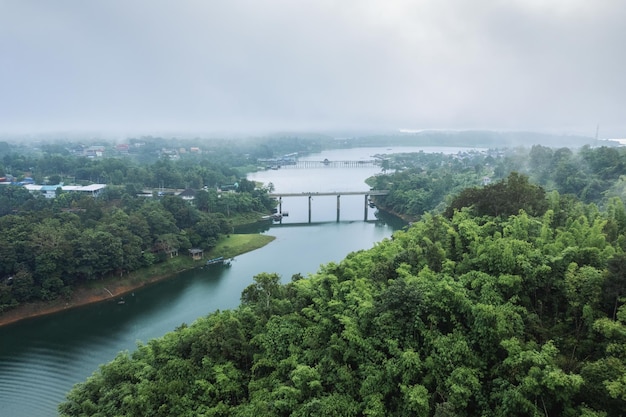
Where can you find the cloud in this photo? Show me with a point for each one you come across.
(243, 65)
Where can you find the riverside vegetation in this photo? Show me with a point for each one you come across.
(500, 300)
(508, 300)
(53, 250)
(464, 314)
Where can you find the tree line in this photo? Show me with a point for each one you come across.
(466, 313)
(423, 182)
(207, 162)
(48, 247)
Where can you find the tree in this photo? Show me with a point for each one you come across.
(99, 252)
(262, 293)
(614, 285)
(504, 198)
(540, 160)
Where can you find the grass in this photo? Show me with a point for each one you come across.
(240, 219)
(234, 245)
(228, 247)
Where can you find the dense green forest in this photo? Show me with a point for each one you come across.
(49, 246)
(423, 182)
(463, 314)
(506, 298)
(146, 161)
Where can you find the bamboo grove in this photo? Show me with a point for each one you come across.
(468, 312)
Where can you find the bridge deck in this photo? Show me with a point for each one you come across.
(325, 193)
(330, 193)
(278, 163)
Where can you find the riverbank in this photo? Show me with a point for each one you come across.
(115, 287)
(404, 217)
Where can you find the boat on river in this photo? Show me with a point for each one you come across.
(218, 261)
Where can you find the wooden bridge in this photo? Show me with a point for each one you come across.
(310, 195)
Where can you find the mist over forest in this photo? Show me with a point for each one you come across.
(128, 129)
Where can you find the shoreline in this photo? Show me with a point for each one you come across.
(110, 289)
(81, 297)
(404, 217)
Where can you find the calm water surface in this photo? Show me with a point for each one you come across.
(42, 358)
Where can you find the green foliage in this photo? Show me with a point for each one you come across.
(49, 246)
(510, 304)
(463, 316)
(424, 182)
(503, 198)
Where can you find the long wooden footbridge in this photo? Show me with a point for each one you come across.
(310, 196)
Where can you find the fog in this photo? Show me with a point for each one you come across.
(197, 66)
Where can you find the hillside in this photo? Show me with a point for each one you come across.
(467, 315)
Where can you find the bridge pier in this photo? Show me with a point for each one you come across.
(365, 215)
(338, 195)
(310, 208)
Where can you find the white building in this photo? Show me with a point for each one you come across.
(50, 191)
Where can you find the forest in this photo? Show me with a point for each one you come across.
(505, 296)
(424, 182)
(51, 246)
(491, 306)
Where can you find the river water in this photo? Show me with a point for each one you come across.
(42, 358)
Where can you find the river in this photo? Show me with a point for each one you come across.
(42, 358)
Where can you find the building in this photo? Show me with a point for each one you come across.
(96, 151)
(50, 191)
(188, 195)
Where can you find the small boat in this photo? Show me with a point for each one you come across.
(215, 261)
(218, 261)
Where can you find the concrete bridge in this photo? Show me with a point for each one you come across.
(277, 163)
(310, 195)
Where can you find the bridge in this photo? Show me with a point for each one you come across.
(280, 163)
(310, 195)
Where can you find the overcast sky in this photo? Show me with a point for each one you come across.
(264, 65)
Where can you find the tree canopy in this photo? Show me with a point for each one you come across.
(467, 315)
(504, 198)
(49, 246)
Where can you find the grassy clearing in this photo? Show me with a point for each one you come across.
(234, 245)
(228, 247)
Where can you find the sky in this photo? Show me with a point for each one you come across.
(245, 66)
